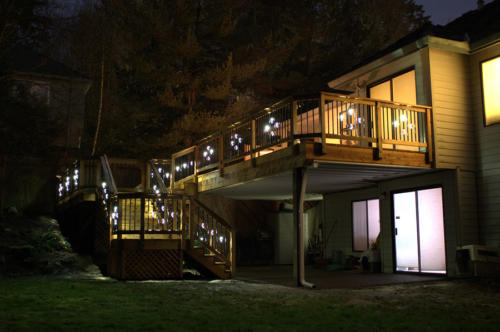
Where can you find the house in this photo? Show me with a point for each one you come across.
(51, 87)
(405, 159)
(456, 70)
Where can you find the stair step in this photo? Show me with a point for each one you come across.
(219, 263)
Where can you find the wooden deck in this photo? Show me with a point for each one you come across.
(152, 220)
(299, 132)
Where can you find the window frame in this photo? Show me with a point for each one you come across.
(390, 78)
(367, 223)
(483, 103)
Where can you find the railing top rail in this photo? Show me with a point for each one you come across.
(184, 152)
(147, 195)
(372, 101)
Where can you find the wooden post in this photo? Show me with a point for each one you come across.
(428, 135)
(293, 127)
(322, 118)
(232, 248)
(378, 119)
(191, 223)
(143, 201)
(253, 144)
(183, 228)
(299, 186)
(172, 174)
(221, 154)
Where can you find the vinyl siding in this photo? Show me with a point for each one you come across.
(488, 138)
(449, 73)
(454, 133)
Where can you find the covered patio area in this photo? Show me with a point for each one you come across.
(322, 279)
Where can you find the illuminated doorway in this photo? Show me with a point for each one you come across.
(419, 231)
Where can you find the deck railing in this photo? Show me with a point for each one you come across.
(143, 214)
(69, 182)
(326, 118)
(210, 232)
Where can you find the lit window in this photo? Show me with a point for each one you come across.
(365, 224)
(490, 71)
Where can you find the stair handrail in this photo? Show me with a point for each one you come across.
(226, 255)
(158, 180)
(108, 175)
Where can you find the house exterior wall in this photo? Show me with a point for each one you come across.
(338, 216)
(454, 131)
(369, 75)
(488, 154)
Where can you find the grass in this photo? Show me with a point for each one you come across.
(49, 304)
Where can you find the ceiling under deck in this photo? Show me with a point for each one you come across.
(322, 178)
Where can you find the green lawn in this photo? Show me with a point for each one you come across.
(50, 304)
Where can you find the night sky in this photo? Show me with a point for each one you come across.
(445, 11)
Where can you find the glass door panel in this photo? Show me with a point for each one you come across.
(406, 240)
(431, 230)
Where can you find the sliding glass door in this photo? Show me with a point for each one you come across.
(419, 231)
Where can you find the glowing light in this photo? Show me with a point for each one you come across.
(395, 124)
(177, 168)
(104, 184)
(341, 117)
(410, 126)
(221, 239)
(491, 98)
(267, 128)
(184, 165)
(160, 170)
(360, 120)
(350, 111)
(403, 118)
(271, 120)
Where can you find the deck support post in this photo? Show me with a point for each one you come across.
(299, 191)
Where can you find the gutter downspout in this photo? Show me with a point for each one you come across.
(299, 191)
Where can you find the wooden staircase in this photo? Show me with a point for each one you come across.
(208, 263)
(148, 235)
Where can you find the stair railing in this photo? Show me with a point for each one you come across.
(107, 192)
(160, 176)
(70, 181)
(212, 233)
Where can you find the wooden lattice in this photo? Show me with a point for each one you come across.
(152, 264)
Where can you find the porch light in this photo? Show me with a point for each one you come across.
(167, 175)
(221, 239)
(160, 170)
(177, 168)
(184, 165)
